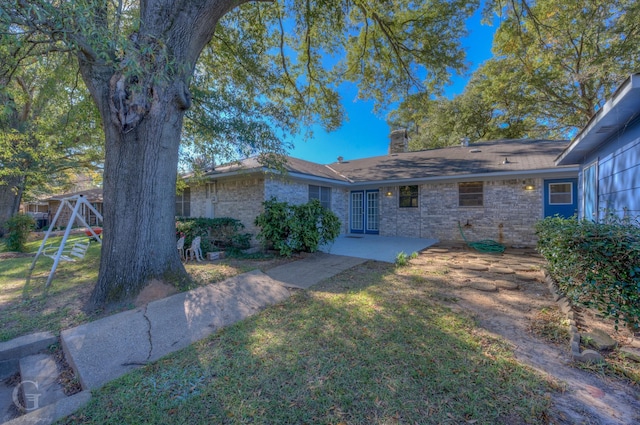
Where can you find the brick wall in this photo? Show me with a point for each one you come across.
(238, 197)
(241, 198)
(508, 215)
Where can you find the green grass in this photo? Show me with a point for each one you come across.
(366, 347)
(32, 308)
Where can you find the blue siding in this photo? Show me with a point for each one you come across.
(619, 173)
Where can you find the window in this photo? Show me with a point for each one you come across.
(470, 194)
(183, 203)
(560, 193)
(322, 194)
(409, 196)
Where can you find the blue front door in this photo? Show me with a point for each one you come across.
(364, 215)
(560, 197)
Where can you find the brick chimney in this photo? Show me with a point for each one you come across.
(398, 141)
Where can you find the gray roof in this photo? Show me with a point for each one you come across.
(92, 195)
(523, 156)
(292, 165)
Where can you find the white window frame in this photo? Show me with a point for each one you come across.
(561, 193)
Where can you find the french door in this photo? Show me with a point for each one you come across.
(364, 212)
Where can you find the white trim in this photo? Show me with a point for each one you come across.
(570, 193)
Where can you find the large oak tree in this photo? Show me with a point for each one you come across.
(47, 130)
(555, 62)
(139, 60)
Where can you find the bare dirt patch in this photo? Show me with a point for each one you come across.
(506, 295)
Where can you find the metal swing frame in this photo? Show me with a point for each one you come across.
(75, 251)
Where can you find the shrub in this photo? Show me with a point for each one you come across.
(19, 227)
(296, 228)
(595, 264)
(402, 258)
(216, 233)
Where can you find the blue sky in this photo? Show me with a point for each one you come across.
(364, 134)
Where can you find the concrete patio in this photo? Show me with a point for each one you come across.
(375, 247)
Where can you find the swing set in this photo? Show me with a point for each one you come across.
(77, 248)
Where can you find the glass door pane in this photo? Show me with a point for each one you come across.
(372, 212)
(357, 212)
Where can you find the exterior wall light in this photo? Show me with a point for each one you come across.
(389, 193)
(529, 187)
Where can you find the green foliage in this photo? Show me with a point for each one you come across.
(595, 264)
(554, 61)
(562, 57)
(296, 228)
(215, 233)
(402, 258)
(19, 227)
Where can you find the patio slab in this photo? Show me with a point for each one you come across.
(375, 247)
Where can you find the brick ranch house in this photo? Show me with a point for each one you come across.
(494, 190)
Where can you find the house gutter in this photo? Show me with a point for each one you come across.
(550, 172)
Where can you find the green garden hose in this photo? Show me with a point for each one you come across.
(485, 245)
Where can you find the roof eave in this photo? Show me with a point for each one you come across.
(555, 172)
(623, 106)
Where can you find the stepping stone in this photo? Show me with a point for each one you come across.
(437, 250)
(506, 284)
(476, 267)
(599, 340)
(588, 356)
(39, 386)
(527, 276)
(631, 353)
(525, 267)
(502, 270)
(483, 286)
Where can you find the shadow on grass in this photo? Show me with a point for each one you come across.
(376, 350)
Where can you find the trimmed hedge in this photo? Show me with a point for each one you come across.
(595, 264)
(296, 228)
(216, 233)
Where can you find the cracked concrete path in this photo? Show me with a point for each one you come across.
(108, 348)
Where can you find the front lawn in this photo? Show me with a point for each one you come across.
(32, 308)
(369, 346)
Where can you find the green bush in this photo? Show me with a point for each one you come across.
(216, 233)
(18, 228)
(296, 228)
(595, 264)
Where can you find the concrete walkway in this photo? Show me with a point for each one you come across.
(374, 247)
(103, 350)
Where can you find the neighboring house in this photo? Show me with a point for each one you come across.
(608, 152)
(492, 190)
(94, 196)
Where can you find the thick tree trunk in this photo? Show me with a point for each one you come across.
(142, 109)
(139, 204)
